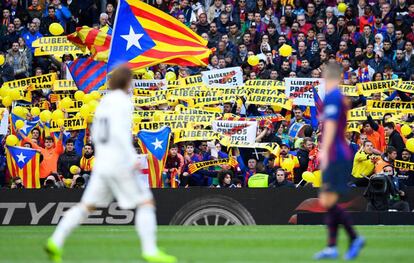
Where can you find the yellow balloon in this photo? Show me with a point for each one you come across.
(285, 50)
(317, 182)
(95, 95)
(25, 112)
(19, 124)
(12, 140)
(57, 114)
(84, 111)
(56, 29)
(148, 75)
(67, 182)
(7, 101)
(79, 95)
(253, 60)
(4, 91)
(92, 105)
(66, 103)
(342, 7)
(74, 169)
(18, 111)
(14, 94)
(2, 60)
(410, 145)
(87, 98)
(405, 130)
(35, 111)
(169, 76)
(308, 177)
(60, 122)
(45, 116)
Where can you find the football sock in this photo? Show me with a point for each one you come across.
(332, 224)
(72, 218)
(146, 226)
(345, 219)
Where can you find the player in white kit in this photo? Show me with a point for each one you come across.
(116, 174)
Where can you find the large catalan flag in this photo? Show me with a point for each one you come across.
(96, 40)
(25, 163)
(144, 36)
(29, 125)
(88, 74)
(155, 144)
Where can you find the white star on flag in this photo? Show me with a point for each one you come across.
(132, 39)
(25, 127)
(157, 144)
(21, 157)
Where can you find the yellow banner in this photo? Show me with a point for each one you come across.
(71, 124)
(192, 80)
(276, 84)
(50, 41)
(266, 91)
(195, 102)
(197, 119)
(188, 110)
(148, 114)
(360, 114)
(353, 126)
(64, 85)
(194, 167)
(390, 106)
(240, 91)
(367, 88)
(404, 165)
(271, 147)
(406, 86)
(189, 93)
(195, 135)
(38, 82)
(57, 50)
(349, 90)
(150, 101)
(155, 125)
(270, 100)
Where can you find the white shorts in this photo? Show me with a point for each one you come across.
(129, 190)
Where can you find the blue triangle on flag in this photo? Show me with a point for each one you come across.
(21, 155)
(156, 141)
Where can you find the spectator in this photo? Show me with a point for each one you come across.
(303, 154)
(46, 21)
(289, 163)
(18, 60)
(88, 159)
(32, 35)
(215, 10)
(387, 158)
(364, 164)
(67, 160)
(6, 71)
(394, 138)
(281, 180)
(35, 10)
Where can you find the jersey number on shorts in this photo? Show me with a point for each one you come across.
(103, 125)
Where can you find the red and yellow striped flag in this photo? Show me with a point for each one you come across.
(144, 36)
(25, 163)
(96, 40)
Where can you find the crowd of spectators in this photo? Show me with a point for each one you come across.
(372, 40)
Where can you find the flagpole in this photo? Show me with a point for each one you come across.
(112, 37)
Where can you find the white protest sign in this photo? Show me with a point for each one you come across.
(301, 90)
(227, 77)
(244, 131)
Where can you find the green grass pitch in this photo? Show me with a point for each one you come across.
(206, 244)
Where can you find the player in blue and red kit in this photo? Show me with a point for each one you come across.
(336, 165)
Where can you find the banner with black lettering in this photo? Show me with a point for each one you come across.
(265, 83)
(152, 84)
(192, 81)
(64, 85)
(390, 106)
(195, 135)
(406, 86)
(71, 124)
(404, 165)
(37, 82)
(280, 100)
(194, 167)
(244, 131)
(367, 88)
(227, 77)
(301, 90)
(349, 90)
(360, 114)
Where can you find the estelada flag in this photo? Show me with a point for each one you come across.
(25, 163)
(144, 36)
(155, 145)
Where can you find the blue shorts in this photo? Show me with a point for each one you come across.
(336, 177)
